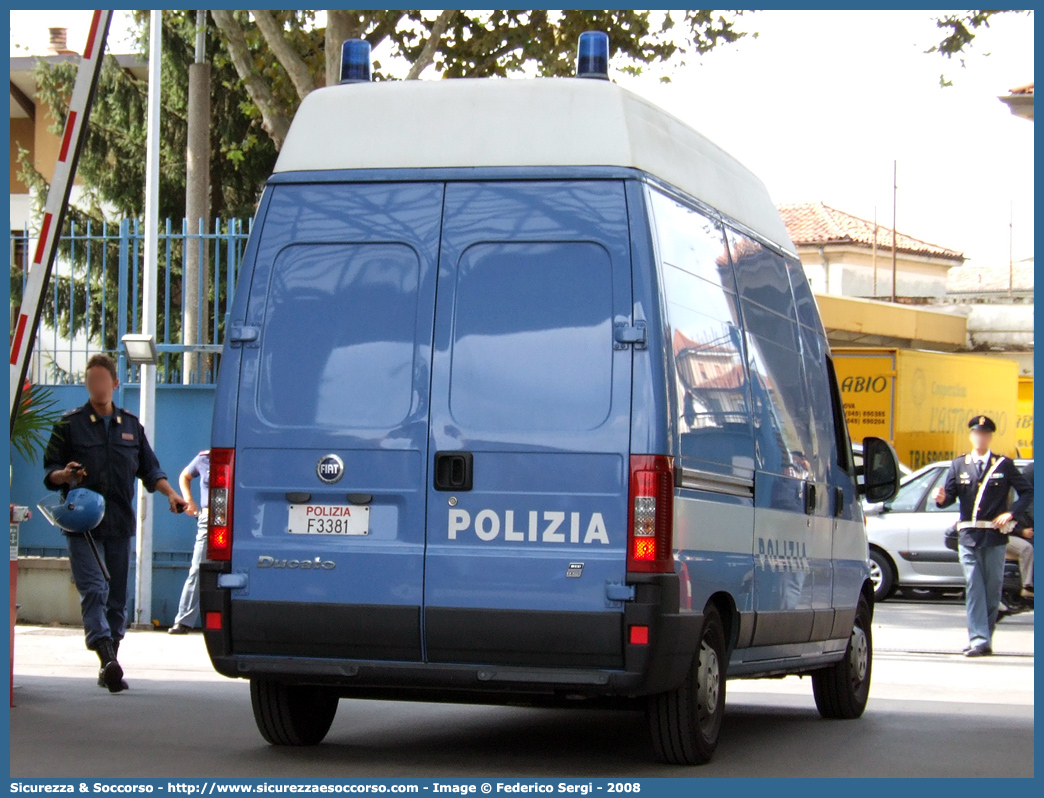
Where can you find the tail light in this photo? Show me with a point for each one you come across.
(222, 480)
(650, 541)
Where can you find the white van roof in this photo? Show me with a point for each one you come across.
(515, 122)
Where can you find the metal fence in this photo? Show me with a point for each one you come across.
(95, 297)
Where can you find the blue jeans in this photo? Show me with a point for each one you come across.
(102, 605)
(984, 578)
(188, 607)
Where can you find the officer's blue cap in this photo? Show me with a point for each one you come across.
(982, 422)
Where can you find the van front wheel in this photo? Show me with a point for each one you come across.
(685, 723)
(289, 714)
(841, 691)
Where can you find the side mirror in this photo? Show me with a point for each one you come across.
(880, 470)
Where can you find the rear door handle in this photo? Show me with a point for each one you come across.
(453, 470)
(810, 498)
(244, 334)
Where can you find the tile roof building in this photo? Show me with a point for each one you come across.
(1020, 101)
(838, 252)
(992, 280)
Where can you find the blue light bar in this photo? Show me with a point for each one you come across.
(355, 61)
(592, 56)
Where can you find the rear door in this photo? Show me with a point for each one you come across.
(530, 412)
(332, 430)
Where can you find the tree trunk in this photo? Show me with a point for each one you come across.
(338, 28)
(294, 65)
(275, 118)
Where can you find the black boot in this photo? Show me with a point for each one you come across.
(116, 651)
(111, 674)
(101, 670)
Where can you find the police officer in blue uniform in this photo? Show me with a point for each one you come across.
(981, 482)
(103, 447)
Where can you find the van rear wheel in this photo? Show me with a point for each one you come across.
(842, 690)
(686, 722)
(290, 714)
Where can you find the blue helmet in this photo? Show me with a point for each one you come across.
(81, 510)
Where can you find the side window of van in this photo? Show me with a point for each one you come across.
(843, 441)
(804, 301)
(707, 340)
(761, 275)
(814, 349)
(779, 394)
(690, 241)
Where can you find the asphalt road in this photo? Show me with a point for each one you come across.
(180, 719)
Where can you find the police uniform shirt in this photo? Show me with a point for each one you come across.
(962, 485)
(114, 453)
(981, 463)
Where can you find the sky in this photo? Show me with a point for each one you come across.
(819, 106)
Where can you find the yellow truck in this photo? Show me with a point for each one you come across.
(1024, 425)
(921, 401)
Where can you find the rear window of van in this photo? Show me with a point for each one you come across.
(338, 343)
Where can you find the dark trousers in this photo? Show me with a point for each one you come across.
(103, 605)
(984, 580)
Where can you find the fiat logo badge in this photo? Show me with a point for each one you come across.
(330, 468)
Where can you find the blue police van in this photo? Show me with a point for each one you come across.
(525, 398)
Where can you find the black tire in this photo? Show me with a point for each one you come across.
(841, 691)
(292, 714)
(882, 574)
(686, 722)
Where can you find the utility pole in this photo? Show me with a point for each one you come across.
(1011, 256)
(147, 405)
(895, 187)
(195, 279)
(875, 252)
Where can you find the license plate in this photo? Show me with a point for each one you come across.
(329, 519)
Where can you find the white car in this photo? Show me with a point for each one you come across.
(906, 537)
